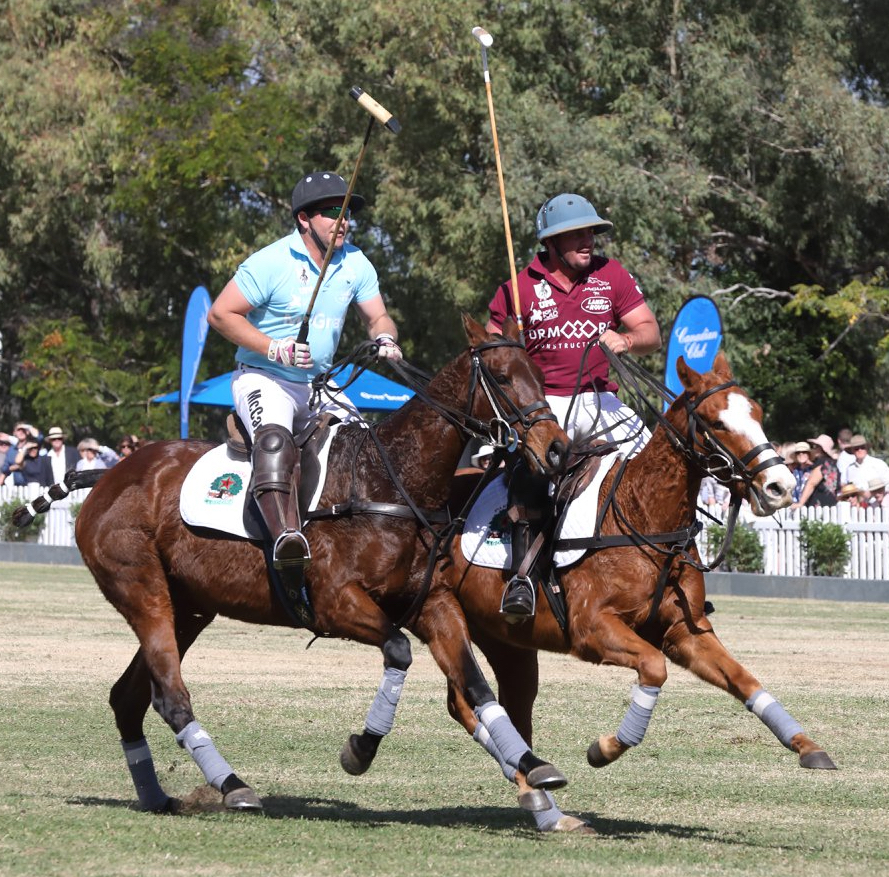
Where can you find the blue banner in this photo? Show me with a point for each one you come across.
(194, 335)
(695, 336)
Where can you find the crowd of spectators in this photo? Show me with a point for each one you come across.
(28, 456)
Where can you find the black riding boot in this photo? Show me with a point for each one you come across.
(519, 599)
(275, 476)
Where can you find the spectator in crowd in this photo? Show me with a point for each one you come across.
(713, 496)
(845, 458)
(802, 467)
(851, 494)
(58, 459)
(822, 483)
(94, 456)
(23, 432)
(865, 467)
(7, 457)
(127, 446)
(27, 461)
(877, 499)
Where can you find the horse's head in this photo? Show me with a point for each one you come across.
(506, 388)
(726, 437)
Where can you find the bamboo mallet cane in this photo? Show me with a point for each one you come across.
(486, 40)
(385, 118)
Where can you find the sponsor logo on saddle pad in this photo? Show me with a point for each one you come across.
(224, 489)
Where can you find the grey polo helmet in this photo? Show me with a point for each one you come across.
(319, 186)
(567, 212)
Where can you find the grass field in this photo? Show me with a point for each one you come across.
(709, 791)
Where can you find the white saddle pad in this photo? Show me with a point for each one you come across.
(486, 539)
(215, 491)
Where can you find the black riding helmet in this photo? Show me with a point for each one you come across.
(319, 186)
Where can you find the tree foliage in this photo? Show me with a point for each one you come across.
(741, 149)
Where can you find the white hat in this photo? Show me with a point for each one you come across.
(54, 432)
(483, 453)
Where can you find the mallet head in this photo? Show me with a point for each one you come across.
(483, 37)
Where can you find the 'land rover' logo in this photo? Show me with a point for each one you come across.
(596, 305)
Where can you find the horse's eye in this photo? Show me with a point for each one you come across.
(719, 425)
(503, 380)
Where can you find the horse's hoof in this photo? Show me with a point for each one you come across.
(818, 760)
(573, 824)
(545, 776)
(534, 801)
(171, 808)
(352, 759)
(243, 800)
(595, 756)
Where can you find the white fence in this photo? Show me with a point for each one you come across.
(59, 526)
(779, 535)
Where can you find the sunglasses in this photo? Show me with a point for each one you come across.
(333, 212)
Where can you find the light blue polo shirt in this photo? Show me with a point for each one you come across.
(278, 281)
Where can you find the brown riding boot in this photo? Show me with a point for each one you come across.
(275, 481)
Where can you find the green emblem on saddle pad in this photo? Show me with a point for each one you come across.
(499, 529)
(225, 488)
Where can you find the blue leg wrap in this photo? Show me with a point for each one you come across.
(196, 741)
(635, 723)
(507, 740)
(481, 736)
(381, 715)
(151, 796)
(546, 819)
(774, 716)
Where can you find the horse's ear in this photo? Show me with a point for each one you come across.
(690, 379)
(510, 329)
(475, 332)
(721, 368)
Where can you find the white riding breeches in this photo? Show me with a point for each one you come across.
(262, 398)
(604, 416)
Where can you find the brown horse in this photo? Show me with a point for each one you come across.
(170, 580)
(616, 612)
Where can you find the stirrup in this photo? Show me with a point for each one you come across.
(519, 599)
(291, 549)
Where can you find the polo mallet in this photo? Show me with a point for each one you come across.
(385, 118)
(486, 41)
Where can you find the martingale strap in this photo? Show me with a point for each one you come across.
(368, 507)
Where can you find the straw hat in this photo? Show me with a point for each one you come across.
(876, 484)
(848, 490)
(857, 441)
(802, 448)
(825, 442)
(55, 432)
(88, 444)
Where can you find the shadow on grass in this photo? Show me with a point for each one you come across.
(205, 800)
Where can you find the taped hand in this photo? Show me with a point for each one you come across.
(387, 348)
(289, 351)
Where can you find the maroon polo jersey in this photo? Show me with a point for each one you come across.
(560, 323)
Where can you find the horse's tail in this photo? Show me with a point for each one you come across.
(73, 480)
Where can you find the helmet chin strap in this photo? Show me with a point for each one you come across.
(322, 247)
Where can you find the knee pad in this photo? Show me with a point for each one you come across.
(274, 456)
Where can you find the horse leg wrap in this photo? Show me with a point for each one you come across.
(196, 741)
(773, 716)
(507, 740)
(635, 723)
(151, 796)
(482, 737)
(546, 819)
(381, 715)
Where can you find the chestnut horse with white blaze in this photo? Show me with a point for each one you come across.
(623, 607)
(170, 580)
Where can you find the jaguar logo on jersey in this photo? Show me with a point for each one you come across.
(224, 488)
(596, 304)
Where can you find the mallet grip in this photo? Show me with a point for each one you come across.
(379, 112)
